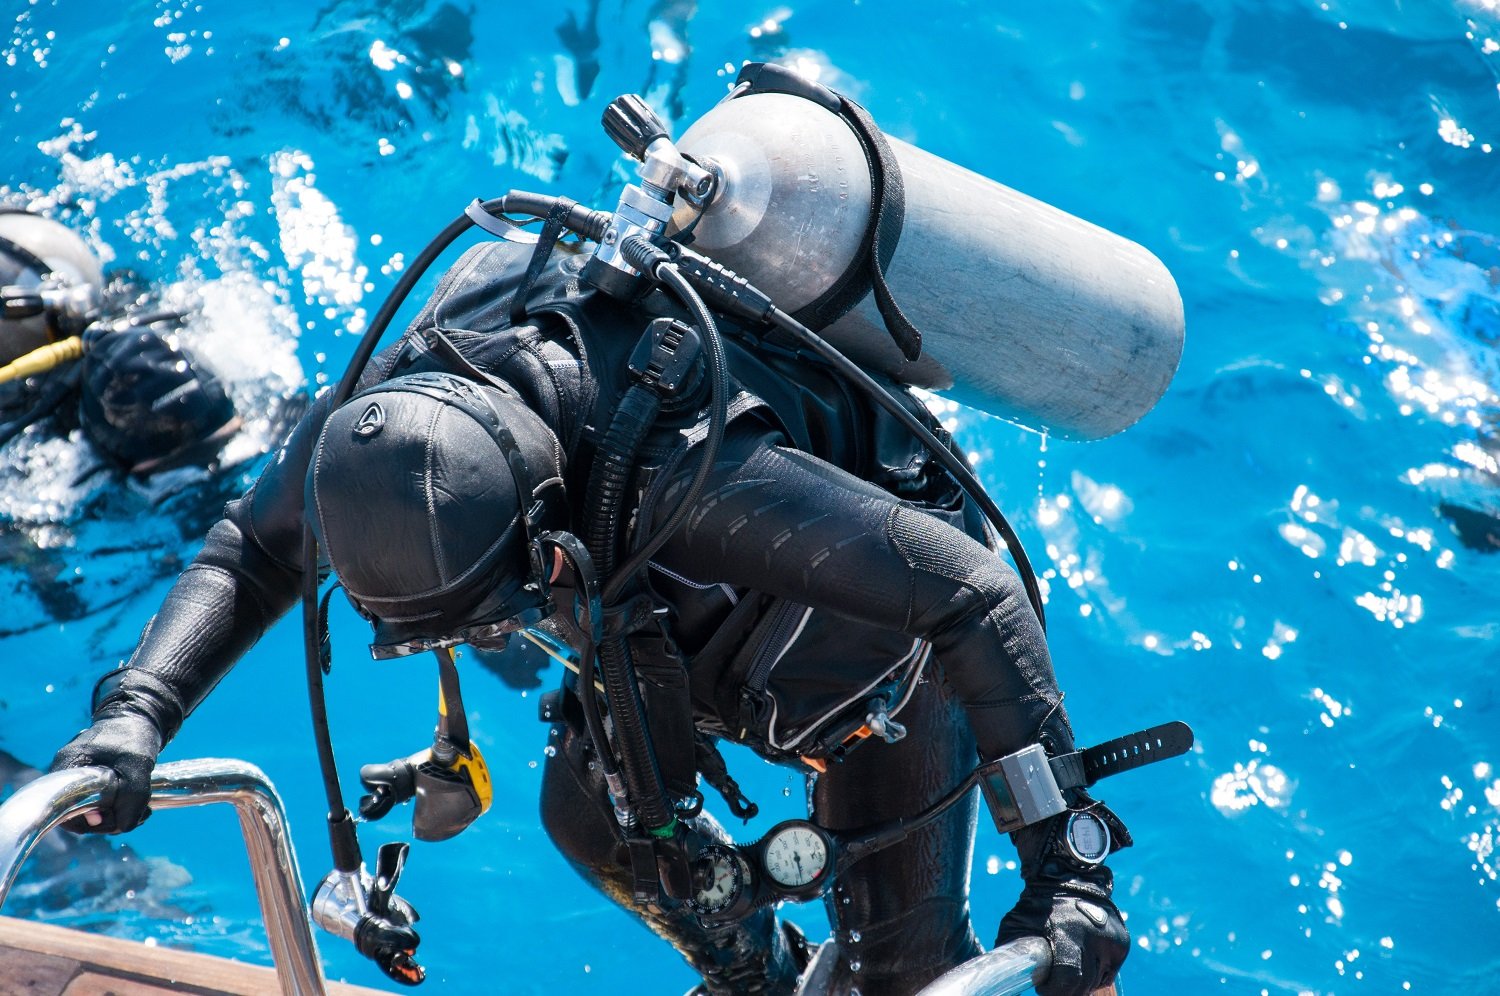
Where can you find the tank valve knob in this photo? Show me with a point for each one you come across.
(632, 124)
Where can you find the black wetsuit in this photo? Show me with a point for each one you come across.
(143, 401)
(31, 400)
(820, 563)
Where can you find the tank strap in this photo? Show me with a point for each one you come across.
(866, 271)
(552, 230)
(24, 256)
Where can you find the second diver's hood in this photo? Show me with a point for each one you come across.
(148, 404)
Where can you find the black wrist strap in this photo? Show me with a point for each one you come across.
(1134, 750)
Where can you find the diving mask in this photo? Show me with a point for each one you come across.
(484, 636)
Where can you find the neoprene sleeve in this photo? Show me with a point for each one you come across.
(783, 522)
(246, 576)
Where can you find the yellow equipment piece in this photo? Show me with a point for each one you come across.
(43, 359)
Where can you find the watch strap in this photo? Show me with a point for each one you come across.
(1134, 750)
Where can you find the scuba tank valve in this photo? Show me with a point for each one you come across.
(646, 208)
(365, 909)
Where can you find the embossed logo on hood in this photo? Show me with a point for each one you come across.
(371, 422)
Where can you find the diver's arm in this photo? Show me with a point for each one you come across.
(246, 576)
(782, 522)
(785, 523)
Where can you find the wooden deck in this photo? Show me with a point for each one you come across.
(38, 959)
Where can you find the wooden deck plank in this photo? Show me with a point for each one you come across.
(39, 959)
(89, 984)
(23, 972)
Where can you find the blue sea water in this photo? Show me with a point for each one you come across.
(1296, 552)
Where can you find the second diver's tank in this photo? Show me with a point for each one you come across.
(1026, 312)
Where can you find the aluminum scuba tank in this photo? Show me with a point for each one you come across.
(45, 260)
(1026, 312)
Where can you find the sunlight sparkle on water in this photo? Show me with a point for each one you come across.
(384, 57)
(314, 238)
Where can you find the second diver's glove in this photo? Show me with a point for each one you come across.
(135, 714)
(1068, 902)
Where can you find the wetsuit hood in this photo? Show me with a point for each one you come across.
(148, 404)
(420, 490)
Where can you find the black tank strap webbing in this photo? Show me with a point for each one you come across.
(888, 217)
(24, 256)
(669, 708)
(866, 271)
(552, 230)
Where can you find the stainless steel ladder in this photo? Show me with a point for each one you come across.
(40, 805)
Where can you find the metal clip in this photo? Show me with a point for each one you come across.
(882, 725)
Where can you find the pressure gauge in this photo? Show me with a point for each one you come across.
(1087, 838)
(795, 855)
(719, 875)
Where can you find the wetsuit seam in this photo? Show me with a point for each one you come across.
(317, 466)
(911, 579)
(427, 493)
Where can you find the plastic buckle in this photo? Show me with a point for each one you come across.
(645, 877)
(839, 740)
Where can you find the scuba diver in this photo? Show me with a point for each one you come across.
(724, 541)
(78, 351)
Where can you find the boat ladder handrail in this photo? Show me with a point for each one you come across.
(1012, 968)
(1009, 970)
(40, 805)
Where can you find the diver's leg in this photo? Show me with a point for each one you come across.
(901, 915)
(751, 957)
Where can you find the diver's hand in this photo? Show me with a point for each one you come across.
(1087, 934)
(127, 744)
(1068, 902)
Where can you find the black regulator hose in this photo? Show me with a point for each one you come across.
(584, 220)
(613, 466)
(604, 504)
(646, 257)
(612, 469)
(944, 455)
(590, 625)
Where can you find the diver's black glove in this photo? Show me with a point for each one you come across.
(1068, 903)
(127, 743)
